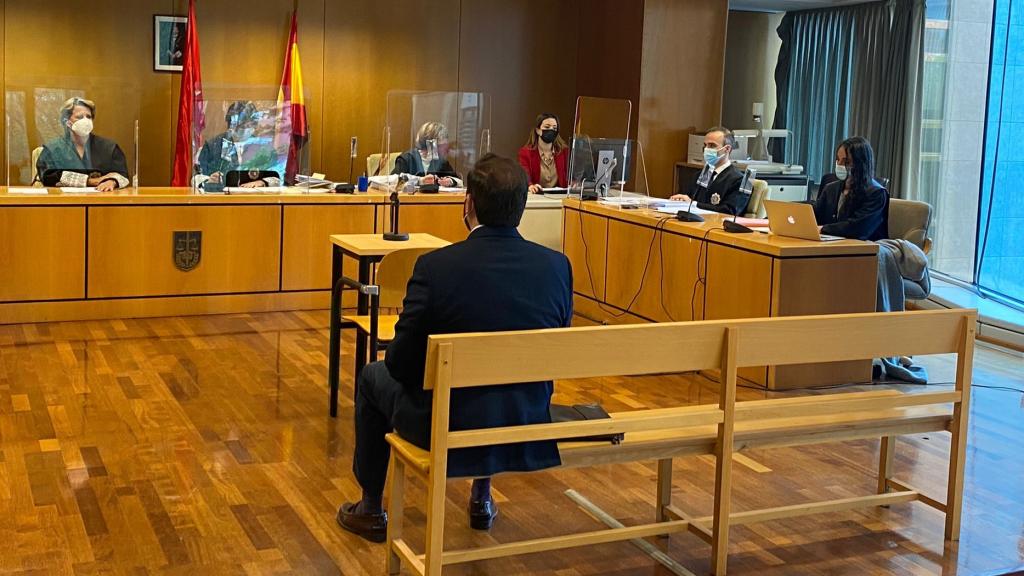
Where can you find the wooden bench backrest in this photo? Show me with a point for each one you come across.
(494, 358)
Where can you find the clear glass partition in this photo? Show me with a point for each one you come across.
(247, 142)
(71, 132)
(603, 157)
(440, 133)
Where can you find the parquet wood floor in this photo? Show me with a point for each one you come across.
(202, 446)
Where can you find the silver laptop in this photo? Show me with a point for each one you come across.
(795, 220)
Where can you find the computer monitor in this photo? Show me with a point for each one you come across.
(599, 165)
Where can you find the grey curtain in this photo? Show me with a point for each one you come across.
(886, 103)
(854, 71)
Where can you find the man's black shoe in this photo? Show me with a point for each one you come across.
(482, 514)
(373, 527)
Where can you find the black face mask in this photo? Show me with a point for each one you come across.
(548, 136)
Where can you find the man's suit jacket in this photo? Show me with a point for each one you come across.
(727, 186)
(494, 280)
(863, 216)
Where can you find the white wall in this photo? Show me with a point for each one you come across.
(752, 49)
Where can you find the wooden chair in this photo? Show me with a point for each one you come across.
(373, 164)
(662, 434)
(387, 293)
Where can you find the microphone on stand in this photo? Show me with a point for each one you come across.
(348, 187)
(394, 235)
(687, 216)
(352, 154)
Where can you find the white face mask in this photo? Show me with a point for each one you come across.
(841, 172)
(82, 127)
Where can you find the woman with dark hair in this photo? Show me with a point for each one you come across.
(545, 156)
(854, 205)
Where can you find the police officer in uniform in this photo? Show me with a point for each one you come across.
(717, 187)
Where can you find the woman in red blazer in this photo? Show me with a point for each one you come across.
(545, 156)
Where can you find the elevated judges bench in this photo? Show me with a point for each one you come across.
(640, 265)
(661, 434)
(96, 256)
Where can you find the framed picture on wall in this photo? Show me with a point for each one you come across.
(168, 42)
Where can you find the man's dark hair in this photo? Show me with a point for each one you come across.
(498, 188)
(729, 139)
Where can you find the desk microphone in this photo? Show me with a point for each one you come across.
(352, 154)
(735, 227)
(394, 235)
(687, 216)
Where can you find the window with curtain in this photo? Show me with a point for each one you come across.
(1000, 254)
(853, 70)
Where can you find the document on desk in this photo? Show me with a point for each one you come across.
(77, 190)
(451, 189)
(674, 207)
(620, 201)
(258, 190)
(27, 190)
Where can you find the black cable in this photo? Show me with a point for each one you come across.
(658, 228)
(661, 276)
(701, 280)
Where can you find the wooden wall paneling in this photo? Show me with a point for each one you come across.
(670, 263)
(609, 53)
(306, 259)
(585, 239)
(681, 80)
(523, 54)
(45, 47)
(42, 253)
(369, 49)
(130, 250)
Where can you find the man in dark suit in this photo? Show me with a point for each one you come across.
(233, 150)
(494, 280)
(717, 187)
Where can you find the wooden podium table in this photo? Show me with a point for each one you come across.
(366, 249)
(643, 266)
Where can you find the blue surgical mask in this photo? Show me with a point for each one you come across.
(841, 172)
(711, 156)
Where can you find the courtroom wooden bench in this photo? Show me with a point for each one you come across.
(662, 434)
